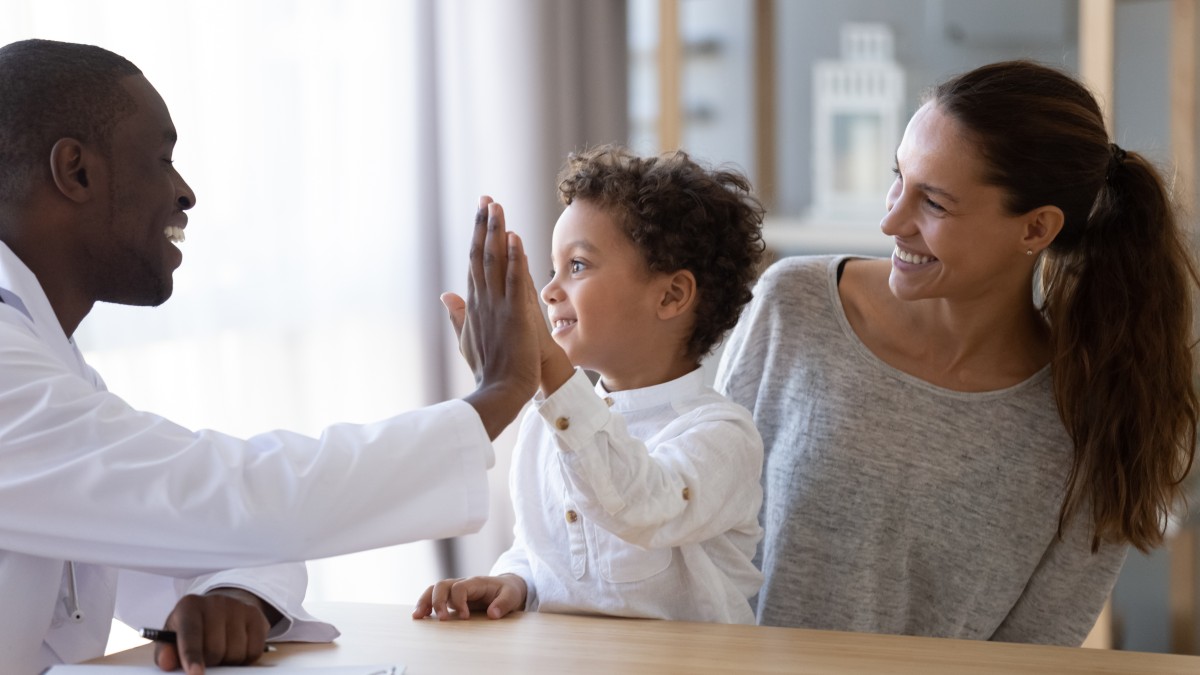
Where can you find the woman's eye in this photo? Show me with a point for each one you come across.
(934, 205)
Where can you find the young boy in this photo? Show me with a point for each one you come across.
(638, 496)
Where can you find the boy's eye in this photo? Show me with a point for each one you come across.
(576, 266)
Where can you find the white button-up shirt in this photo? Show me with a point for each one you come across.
(143, 506)
(640, 503)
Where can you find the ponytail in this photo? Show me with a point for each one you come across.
(1117, 285)
(1118, 297)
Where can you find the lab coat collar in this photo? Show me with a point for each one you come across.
(19, 282)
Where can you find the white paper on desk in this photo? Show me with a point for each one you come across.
(274, 669)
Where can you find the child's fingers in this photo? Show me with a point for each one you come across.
(441, 595)
(464, 592)
(424, 605)
(505, 603)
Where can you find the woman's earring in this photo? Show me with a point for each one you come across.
(1028, 251)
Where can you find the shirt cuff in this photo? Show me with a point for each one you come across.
(574, 413)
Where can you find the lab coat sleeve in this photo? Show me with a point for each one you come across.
(147, 599)
(697, 478)
(86, 477)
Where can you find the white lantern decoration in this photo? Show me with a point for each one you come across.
(858, 104)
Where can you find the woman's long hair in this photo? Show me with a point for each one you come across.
(1117, 284)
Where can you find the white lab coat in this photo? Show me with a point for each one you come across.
(143, 506)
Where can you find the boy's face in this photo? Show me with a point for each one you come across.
(602, 299)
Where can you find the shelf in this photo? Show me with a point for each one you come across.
(795, 236)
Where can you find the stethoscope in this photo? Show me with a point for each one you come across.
(72, 599)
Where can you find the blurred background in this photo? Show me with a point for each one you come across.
(338, 148)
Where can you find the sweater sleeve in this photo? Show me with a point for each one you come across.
(746, 350)
(1066, 592)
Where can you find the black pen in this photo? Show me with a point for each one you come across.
(159, 635)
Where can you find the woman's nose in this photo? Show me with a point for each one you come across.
(892, 222)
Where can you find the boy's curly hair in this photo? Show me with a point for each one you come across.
(681, 216)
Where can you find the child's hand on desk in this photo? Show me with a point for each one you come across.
(500, 596)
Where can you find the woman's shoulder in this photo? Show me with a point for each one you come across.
(809, 266)
(787, 272)
(795, 277)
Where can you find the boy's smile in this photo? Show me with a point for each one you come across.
(603, 300)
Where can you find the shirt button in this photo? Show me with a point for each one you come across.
(608, 400)
(562, 423)
(572, 516)
(686, 495)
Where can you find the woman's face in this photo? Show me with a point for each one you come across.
(953, 236)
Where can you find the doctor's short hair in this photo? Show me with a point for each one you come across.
(681, 216)
(52, 90)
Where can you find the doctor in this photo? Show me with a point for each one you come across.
(105, 508)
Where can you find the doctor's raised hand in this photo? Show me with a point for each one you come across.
(498, 324)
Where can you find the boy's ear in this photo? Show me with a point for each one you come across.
(73, 167)
(679, 294)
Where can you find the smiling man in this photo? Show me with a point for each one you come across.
(106, 508)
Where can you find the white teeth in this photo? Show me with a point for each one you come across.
(559, 324)
(174, 234)
(912, 258)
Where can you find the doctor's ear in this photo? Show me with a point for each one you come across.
(72, 166)
(679, 294)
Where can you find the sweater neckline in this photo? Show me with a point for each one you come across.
(839, 312)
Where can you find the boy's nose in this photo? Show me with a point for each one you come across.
(548, 293)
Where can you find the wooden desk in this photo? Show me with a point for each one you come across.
(524, 644)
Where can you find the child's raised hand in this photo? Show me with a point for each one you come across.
(556, 366)
(500, 596)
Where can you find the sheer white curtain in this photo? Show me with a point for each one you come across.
(337, 150)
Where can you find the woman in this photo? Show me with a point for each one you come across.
(947, 455)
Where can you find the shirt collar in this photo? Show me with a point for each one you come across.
(666, 393)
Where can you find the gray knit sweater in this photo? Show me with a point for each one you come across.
(895, 506)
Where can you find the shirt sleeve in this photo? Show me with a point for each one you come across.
(1067, 591)
(516, 561)
(90, 479)
(698, 478)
